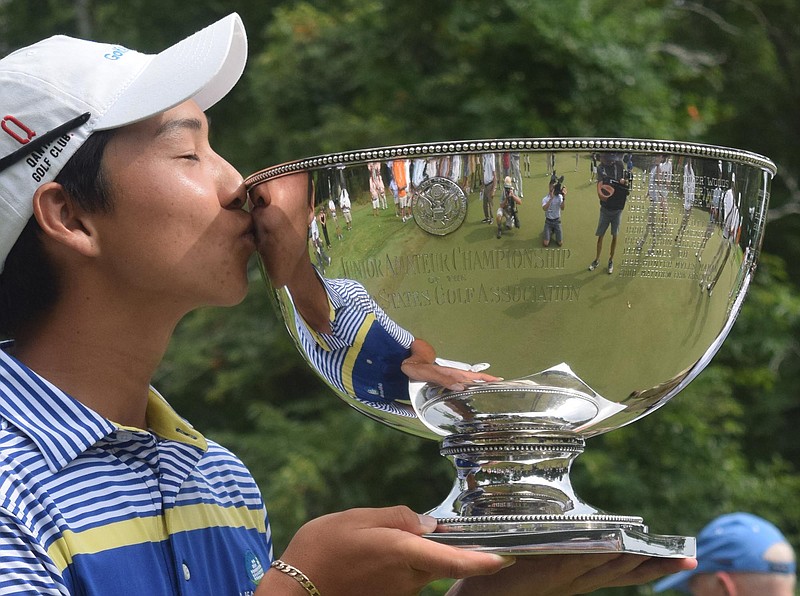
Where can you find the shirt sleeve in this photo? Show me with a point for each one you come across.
(401, 335)
(25, 567)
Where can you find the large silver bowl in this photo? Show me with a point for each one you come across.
(574, 349)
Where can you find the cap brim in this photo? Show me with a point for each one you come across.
(205, 66)
(678, 581)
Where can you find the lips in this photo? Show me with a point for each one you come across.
(258, 231)
(249, 236)
(265, 227)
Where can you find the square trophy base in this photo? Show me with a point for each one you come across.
(552, 534)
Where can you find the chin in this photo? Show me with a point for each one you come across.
(230, 299)
(232, 289)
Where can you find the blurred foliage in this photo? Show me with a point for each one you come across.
(344, 74)
(355, 74)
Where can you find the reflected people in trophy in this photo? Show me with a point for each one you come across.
(323, 224)
(335, 217)
(508, 213)
(322, 258)
(612, 190)
(689, 185)
(400, 171)
(713, 218)
(488, 184)
(731, 220)
(393, 188)
(659, 184)
(511, 167)
(660, 179)
(376, 188)
(553, 204)
(345, 206)
(458, 171)
(343, 332)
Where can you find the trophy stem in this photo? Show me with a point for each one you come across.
(521, 470)
(513, 495)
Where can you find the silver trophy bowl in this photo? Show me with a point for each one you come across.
(510, 299)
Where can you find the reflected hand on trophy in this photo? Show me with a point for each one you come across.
(421, 366)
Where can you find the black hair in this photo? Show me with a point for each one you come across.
(30, 283)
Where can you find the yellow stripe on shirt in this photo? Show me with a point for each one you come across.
(352, 354)
(151, 530)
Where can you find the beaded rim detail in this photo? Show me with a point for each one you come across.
(365, 156)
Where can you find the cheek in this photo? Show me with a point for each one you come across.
(160, 232)
(167, 213)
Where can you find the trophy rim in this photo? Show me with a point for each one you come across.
(590, 144)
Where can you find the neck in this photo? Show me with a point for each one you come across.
(310, 299)
(102, 356)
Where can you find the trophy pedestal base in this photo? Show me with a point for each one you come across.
(548, 534)
(512, 495)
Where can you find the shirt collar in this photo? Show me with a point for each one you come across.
(167, 424)
(61, 427)
(334, 297)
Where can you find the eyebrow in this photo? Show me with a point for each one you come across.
(179, 123)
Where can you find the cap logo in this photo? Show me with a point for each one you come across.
(33, 151)
(40, 159)
(780, 567)
(14, 134)
(116, 53)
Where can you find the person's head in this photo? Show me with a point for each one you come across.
(557, 185)
(738, 554)
(508, 184)
(282, 210)
(72, 109)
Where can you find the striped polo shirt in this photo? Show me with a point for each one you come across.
(361, 357)
(91, 507)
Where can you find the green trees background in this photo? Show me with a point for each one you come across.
(330, 75)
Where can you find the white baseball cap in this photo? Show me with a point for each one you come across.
(57, 92)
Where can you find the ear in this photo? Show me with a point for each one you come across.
(66, 226)
(725, 583)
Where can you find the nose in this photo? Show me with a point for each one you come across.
(237, 199)
(232, 192)
(259, 197)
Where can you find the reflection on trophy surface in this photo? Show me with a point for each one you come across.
(359, 350)
(511, 299)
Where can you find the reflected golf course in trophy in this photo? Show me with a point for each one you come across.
(510, 299)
